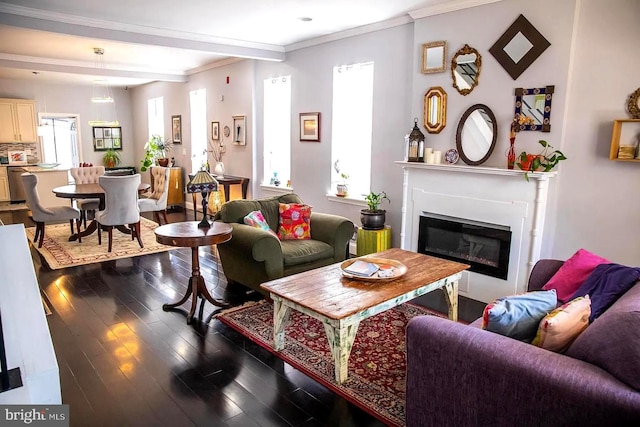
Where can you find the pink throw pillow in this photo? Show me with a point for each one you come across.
(573, 273)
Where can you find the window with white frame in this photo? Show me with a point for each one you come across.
(155, 116)
(198, 104)
(352, 126)
(277, 129)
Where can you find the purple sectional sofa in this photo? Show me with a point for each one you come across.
(461, 375)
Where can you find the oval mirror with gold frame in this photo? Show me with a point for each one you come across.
(465, 69)
(435, 109)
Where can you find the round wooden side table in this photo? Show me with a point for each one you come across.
(188, 235)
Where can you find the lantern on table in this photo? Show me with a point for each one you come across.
(416, 144)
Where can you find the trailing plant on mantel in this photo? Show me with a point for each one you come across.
(546, 159)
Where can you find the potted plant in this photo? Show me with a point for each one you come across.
(111, 158)
(341, 188)
(546, 160)
(155, 151)
(373, 217)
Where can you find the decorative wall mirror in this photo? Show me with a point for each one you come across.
(465, 69)
(476, 135)
(535, 104)
(519, 46)
(633, 105)
(435, 109)
(433, 57)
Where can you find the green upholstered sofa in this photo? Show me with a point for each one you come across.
(254, 256)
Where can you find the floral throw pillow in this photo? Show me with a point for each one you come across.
(256, 219)
(295, 221)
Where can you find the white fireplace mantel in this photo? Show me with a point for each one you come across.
(491, 195)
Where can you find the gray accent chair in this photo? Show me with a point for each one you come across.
(156, 202)
(121, 206)
(41, 215)
(87, 175)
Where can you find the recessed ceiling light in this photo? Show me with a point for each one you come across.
(305, 19)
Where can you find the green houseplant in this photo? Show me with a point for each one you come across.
(545, 160)
(111, 158)
(155, 151)
(373, 218)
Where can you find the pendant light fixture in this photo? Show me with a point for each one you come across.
(42, 128)
(101, 99)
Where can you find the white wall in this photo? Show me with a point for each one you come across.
(75, 99)
(311, 70)
(598, 203)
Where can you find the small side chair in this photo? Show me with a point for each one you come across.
(121, 206)
(41, 215)
(156, 202)
(87, 175)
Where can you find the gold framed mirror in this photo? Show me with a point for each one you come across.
(433, 57)
(633, 105)
(465, 69)
(435, 109)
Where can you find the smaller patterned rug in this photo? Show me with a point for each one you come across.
(59, 252)
(377, 370)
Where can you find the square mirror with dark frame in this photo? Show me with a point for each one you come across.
(535, 104)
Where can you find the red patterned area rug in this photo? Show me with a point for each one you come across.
(377, 369)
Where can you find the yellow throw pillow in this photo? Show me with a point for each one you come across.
(559, 328)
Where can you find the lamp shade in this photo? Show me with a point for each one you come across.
(202, 182)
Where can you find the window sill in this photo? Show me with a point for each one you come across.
(347, 200)
(274, 189)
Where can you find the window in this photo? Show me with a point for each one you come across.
(351, 126)
(155, 115)
(198, 104)
(277, 129)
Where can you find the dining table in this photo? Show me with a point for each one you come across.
(91, 191)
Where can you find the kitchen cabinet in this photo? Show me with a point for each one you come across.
(4, 184)
(18, 120)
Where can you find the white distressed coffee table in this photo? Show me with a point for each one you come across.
(341, 303)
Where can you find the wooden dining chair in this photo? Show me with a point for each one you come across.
(41, 214)
(121, 206)
(87, 175)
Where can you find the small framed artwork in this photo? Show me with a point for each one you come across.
(215, 131)
(239, 130)
(176, 129)
(107, 138)
(310, 127)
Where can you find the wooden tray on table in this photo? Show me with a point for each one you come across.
(388, 269)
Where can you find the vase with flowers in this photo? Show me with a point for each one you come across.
(518, 121)
(341, 187)
(217, 149)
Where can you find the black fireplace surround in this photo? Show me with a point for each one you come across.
(485, 247)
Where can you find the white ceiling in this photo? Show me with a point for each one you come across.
(148, 40)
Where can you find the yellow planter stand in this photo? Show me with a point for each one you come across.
(371, 241)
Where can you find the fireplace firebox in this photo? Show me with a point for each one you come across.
(485, 247)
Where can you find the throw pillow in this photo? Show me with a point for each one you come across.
(559, 328)
(606, 284)
(295, 221)
(573, 273)
(518, 316)
(256, 219)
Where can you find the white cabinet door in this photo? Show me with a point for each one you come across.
(7, 128)
(4, 185)
(26, 121)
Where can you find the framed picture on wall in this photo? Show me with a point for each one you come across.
(176, 129)
(310, 127)
(105, 138)
(215, 131)
(239, 130)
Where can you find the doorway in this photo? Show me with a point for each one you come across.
(60, 138)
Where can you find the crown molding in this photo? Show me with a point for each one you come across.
(377, 26)
(447, 7)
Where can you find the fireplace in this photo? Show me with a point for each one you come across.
(485, 247)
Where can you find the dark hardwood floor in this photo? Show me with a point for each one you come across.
(125, 362)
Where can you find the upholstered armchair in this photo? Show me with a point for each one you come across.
(121, 206)
(41, 215)
(87, 175)
(254, 256)
(156, 202)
